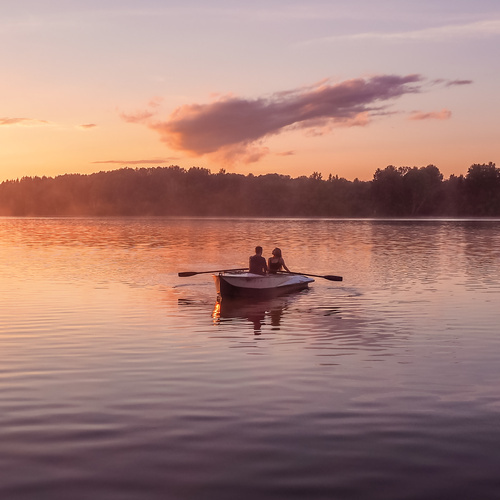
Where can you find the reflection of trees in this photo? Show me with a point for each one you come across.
(482, 252)
(416, 244)
(394, 191)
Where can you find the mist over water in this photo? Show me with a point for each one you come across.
(119, 380)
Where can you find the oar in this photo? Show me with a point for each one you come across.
(326, 277)
(186, 274)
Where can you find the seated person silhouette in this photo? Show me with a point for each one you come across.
(257, 264)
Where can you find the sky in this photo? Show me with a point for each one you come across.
(289, 87)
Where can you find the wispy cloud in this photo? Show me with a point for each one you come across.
(444, 114)
(485, 28)
(234, 128)
(143, 115)
(452, 83)
(138, 116)
(153, 161)
(87, 126)
(26, 122)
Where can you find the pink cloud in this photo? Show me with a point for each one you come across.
(21, 121)
(138, 117)
(88, 125)
(234, 129)
(444, 114)
(143, 116)
(155, 102)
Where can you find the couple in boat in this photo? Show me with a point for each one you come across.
(258, 265)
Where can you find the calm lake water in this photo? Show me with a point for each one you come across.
(120, 380)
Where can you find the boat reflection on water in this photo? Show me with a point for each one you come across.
(257, 312)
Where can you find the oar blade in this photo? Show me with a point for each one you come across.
(186, 274)
(332, 278)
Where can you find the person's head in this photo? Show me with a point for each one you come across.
(258, 250)
(276, 252)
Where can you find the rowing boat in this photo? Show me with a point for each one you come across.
(259, 286)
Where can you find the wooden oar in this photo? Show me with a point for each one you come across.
(186, 274)
(326, 277)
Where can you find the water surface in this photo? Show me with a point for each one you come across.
(119, 380)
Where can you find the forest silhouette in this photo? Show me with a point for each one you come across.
(174, 191)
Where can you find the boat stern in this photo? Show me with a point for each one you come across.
(258, 286)
(216, 278)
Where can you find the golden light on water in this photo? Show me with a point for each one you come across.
(216, 311)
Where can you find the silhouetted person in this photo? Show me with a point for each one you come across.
(276, 262)
(257, 263)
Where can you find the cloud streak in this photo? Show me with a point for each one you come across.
(452, 83)
(479, 29)
(154, 161)
(444, 114)
(10, 122)
(234, 128)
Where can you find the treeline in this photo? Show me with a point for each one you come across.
(174, 191)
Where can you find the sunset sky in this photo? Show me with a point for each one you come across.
(293, 87)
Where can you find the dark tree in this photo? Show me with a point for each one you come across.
(388, 191)
(173, 191)
(482, 190)
(423, 188)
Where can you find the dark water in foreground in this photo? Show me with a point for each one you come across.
(119, 380)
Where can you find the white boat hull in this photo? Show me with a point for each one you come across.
(258, 286)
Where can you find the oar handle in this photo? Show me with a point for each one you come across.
(186, 274)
